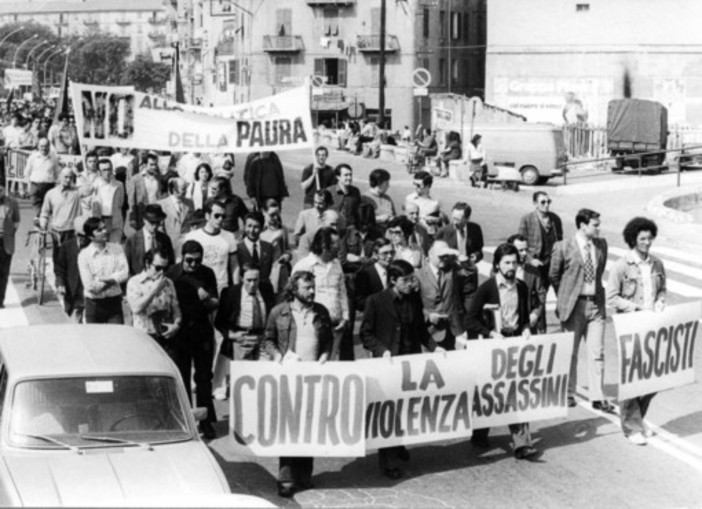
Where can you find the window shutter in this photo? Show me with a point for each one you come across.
(342, 72)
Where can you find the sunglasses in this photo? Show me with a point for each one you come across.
(545, 202)
(192, 261)
(159, 268)
(218, 216)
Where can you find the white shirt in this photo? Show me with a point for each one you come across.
(12, 135)
(217, 249)
(246, 312)
(383, 274)
(106, 194)
(306, 342)
(585, 244)
(42, 169)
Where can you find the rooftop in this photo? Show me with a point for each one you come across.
(73, 6)
(66, 350)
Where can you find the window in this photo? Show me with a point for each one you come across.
(234, 72)
(334, 69)
(466, 25)
(442, 24)
(331, 21)
(442, 71)
(228, 30)
(582, 7)
(454, 71)
(375, 71)
(425, 64)
(455, 26)
(283, 22)
(426, 21)
(282, 68)
(375, 20)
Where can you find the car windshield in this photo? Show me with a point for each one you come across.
(65, 413)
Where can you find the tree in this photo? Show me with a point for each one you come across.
(98, 59)
(146, 75)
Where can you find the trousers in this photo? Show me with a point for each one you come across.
(632, 412)
(587, 324)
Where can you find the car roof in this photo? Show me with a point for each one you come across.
(72, 349)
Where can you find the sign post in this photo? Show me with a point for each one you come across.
(421, 79)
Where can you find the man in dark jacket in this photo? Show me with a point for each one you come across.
(298, 330)
(263, 178)
(147, 238)
(500, 308)
(393, 324)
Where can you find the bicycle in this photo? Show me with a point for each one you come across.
(44, 241)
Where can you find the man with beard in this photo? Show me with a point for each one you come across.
(499, 309)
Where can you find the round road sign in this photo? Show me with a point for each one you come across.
(421, 77)
(318, 81)
(356, 110)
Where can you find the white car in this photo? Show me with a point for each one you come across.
(97, 415)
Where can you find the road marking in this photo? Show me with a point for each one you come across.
(674, 253)
(669, 265)
(13, 315)
(663, 440)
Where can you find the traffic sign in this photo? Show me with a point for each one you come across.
(421, 91)
(356, 110)
(318, 81)
(421, 77)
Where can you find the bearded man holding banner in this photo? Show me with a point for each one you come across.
(298, 330)
(637, 283)
(499, 309)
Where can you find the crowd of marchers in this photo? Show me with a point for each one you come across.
(214, 276)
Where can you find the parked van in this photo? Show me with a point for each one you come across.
(536, 150)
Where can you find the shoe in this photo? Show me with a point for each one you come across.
(286, 491)
(482, 443)
(637, 439)
(571, 402)
(603, 406)
(648, 433)
(207, 430)
(526, 452)
(392, 473)
(404, 454)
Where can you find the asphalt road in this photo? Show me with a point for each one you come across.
(586, 462)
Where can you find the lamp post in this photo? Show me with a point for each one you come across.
(29, 55)
(11, 33)
(44, 52)
(46, 62)
(14, 59)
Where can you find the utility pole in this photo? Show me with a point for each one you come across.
(381, 67)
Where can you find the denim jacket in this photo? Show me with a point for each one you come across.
(625, 285)
(281, 333)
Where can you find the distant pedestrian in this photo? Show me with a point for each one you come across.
(264, 178)
(42, 171)
(9, 222)
(316, 176)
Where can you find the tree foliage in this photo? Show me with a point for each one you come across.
(98, 59)
(146, 75)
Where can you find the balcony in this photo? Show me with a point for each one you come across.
(282, 43)
(123, 22)
(225, 48)
(91, 23)
(330, 3)
(157, 21)
(371, 43)
(157, 37)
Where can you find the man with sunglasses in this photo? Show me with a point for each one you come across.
(543, 229)
(196, 289)
(152, 299)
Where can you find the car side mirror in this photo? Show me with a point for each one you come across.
(200, 413)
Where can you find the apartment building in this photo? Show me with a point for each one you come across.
(235, 51)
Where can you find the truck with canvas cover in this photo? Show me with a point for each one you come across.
(637, 132)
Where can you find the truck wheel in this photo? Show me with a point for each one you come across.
(530, 175)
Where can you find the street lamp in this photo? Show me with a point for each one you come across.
(46, 62)
(11, 33)
(44, 52)
(29, 55)
(14, 60)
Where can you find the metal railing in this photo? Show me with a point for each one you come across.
(282, 43)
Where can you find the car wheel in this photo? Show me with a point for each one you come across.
(530, 175)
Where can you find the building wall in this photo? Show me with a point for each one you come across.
(245, 71)
(146, 27)
(542, 54)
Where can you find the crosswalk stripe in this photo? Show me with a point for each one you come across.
(674, 253)
(669, 264)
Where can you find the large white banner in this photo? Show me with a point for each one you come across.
(656, 350)
(297, 408)
(16, 77)
(413, 399)
(520, 380)
(111, 116)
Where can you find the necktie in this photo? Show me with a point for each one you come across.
(589, 265)
(254, 255)
(440, 282)
(257, 320)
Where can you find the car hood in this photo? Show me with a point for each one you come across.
(114, 476)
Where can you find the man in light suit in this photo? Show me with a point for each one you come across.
(446, 289)
(178, 210)
(462, 234)
(577, 267)
(542, 229)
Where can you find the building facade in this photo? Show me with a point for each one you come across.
(551, 59)
(144, 22)
(233, 52)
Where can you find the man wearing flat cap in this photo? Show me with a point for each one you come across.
(148, 238)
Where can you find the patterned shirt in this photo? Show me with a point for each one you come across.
(95, 264)
(162, 309)
(330, 288)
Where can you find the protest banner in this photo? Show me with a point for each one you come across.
(416, 399)
(656, 350)
(297, 409)
(111, 116)
(17, 77)
(520, 380)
